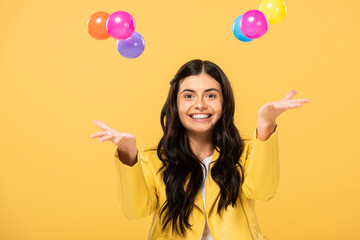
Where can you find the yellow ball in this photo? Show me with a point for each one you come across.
(274, 10)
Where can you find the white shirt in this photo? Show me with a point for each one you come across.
(206, 233)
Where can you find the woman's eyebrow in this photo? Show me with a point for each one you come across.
(207, 90)
(187, 90)
(211, 89)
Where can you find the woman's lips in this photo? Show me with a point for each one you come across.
(200, 117)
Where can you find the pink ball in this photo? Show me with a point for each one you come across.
(254, 24)
(120, 25)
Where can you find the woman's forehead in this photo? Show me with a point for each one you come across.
(199, 82)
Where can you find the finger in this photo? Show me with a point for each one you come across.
(101, 124)
(98, 134)
(293, 105)
(290, 94)
(281, 105)
(301, 100)
(106, 137)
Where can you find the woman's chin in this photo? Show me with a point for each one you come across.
(200, 131)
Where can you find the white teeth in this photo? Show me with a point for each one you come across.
(200, 116)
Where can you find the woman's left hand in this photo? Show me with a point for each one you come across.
(271, 110)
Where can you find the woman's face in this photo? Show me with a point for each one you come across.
(199, 103)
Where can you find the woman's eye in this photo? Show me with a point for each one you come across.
(188, 96)
(211, 95)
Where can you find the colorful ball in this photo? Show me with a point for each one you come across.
(96, 25)
(274, 10)
(120, 25)
(236, 30)
(131, 47)
(253, 24)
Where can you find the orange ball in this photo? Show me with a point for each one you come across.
(96, 25)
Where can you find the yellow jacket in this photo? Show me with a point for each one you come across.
(142, 192)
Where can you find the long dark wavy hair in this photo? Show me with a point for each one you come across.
(179, 162)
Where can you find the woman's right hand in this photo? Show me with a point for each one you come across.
(125, 142)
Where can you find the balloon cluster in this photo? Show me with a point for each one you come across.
(254, 23)
(119, 25)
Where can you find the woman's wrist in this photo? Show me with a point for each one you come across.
(127, 159)
(265, 129)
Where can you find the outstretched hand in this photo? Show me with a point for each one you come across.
(125, 142)
(271, 110)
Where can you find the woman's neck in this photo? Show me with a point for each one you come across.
(201, 145)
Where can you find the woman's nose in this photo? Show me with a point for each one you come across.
(200, 104)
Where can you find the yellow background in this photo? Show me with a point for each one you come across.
(57, 183)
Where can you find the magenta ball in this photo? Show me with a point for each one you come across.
(254, 24)
(120, 25)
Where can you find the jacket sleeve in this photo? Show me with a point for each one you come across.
(262, 167)
(136, 187)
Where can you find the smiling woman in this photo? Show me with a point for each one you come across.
(202, 179)
(197, 119)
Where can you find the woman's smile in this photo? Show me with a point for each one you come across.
(200, 117)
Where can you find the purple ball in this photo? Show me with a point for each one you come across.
(254, 24)
(131, 47)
